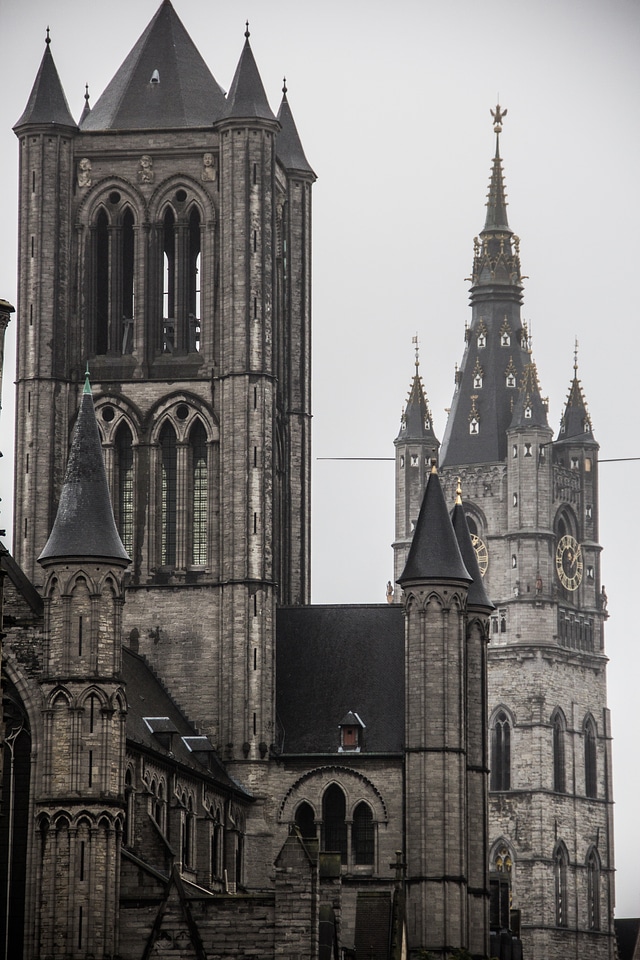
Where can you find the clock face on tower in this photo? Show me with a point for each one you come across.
(569, 562)
(482, 554)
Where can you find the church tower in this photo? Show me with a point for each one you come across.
(79, 798)
(446, 628)
(531, 505)
(171, 230)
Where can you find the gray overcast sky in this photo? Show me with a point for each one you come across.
(392, 103)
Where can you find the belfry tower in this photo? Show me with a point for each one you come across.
(531, 506)
(170, 228)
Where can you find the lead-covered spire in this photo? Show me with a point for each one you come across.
(289, 150)
(84, 525)
(497, 349)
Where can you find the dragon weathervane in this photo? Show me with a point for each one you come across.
(498, 115)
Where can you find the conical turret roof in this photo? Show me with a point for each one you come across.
(576, 421)
(434, 553)
(47, 102)
(477, 595)
(288, 144)
(246, 99)
(163, 83)
(84, 524)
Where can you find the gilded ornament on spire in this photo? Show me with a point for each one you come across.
(498, 114)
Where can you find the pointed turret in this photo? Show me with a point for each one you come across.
(86, 110)
(289, 149)
(497, 345)
(246, 99)
(416, 422)
(163, 83)
(47, 103)
(529, 409)
(576, 422)
(477, 595)
(84, 524)
(434, 553)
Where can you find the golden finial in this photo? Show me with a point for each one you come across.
(459, 493)
(434, 465)
(414, 341)
(498, 114)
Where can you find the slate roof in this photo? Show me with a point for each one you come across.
(186, 94)
(576, 422)
(434, 553)
(246, 99)
(496, 298)
(289, 149)
(628, 938)
(529, 399)
(147, 697)
(477, 595)
(416, 422)
(47, 102)
(334, 659)
(84, 524)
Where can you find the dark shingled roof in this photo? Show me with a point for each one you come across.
(186, 95)
(496, 298)
(246, 99)
(434, 553)
(47, 102)
(334, 659)
(416, 422)
(529, 400)
(627, 937)
(576, 422)
(477, 595)
(288, 145)
(84, 524)
(147, 697)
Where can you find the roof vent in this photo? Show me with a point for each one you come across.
(155, 77)
(163, 729)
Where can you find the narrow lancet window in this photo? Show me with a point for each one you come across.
(501, 752)
(199, 485)
(101, 306)
(124, 493)
(168, 454)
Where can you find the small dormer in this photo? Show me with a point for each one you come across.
(351, 733)
(201, 748)
(163, 729)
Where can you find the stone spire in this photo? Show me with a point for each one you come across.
(246, 99)
(576, 422)
(434, 552)
(289, 150)
(84, 524)
(47, 103)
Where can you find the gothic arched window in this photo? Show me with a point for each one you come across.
(593, 890)
(501, 752)
(113, 279)
(168, 493)
(181, 261)
(168, 282)
(559, 774)
(124, 486)
(101, 283)
(129, 797)
(590, 765)
(193, 277)
(560, 859)
(199, 498)
(334, 823)
(363, 836)
(305, 820)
